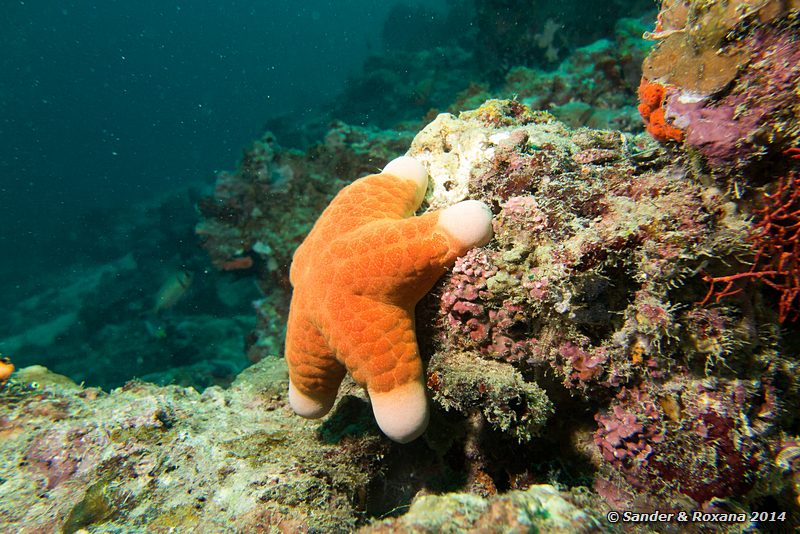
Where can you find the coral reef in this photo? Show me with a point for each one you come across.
(729, 72)
(593, 288)
(583, 322)
(574, 349)
(628, 340)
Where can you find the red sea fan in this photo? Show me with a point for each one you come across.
(775, 241)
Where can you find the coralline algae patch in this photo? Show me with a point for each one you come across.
(644, 437)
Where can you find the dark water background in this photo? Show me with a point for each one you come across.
(105, 103)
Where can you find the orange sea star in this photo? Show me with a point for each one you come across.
(357, 278)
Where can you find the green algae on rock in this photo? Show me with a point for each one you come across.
(219, 461)
(540, 508)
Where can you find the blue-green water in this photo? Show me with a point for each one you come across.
(104, 103)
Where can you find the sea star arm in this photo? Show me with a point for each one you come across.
(377, 344)
(314, 372)
(400, 260)
(395, 193)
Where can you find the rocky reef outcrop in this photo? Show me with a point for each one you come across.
(582, 335)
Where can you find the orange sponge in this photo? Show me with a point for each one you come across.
(651, 101)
